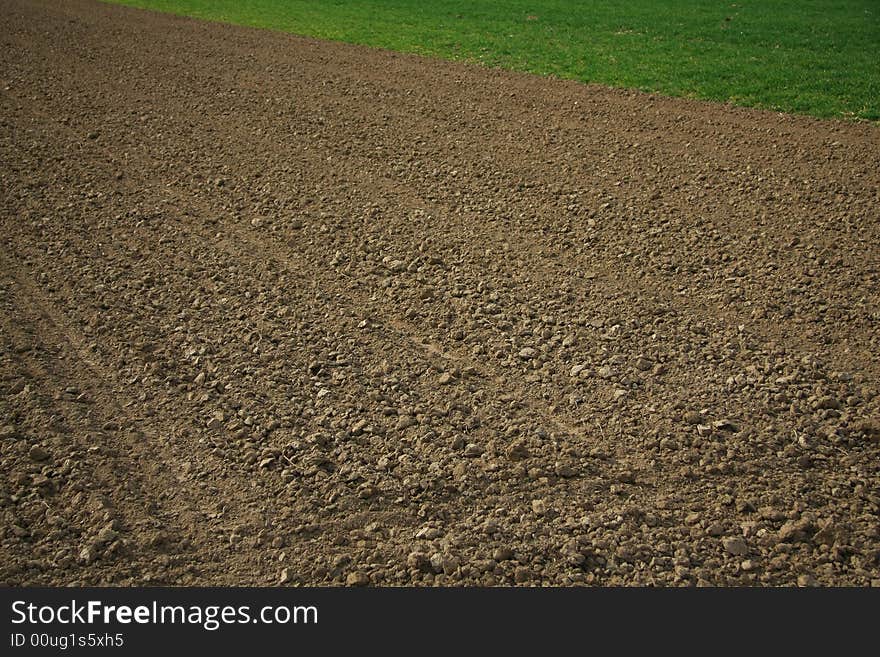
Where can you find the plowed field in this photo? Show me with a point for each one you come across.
(280, 311)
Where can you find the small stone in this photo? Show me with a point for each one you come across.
(576, 370)
(284, 577)
(518, 450)
(643, 364)
(37, 453)
(357, 578)
(45, 485)
(296, 224)
(726, 425)
(419, 561)
(828, 403)
(200, 379)
(539, 507)
(341, 560)
(715, 529)
(405, 422)
(257, 222)
(564, 470)
(502, 554)
(627, 477)
(693, 417)
(749, 528)
(8, 432)
(445, 379)
(868, 428)
(744, 506)
(606, 372)
(473, 450)
(522, 574)
(451, 565)
(805, 581)
(366, 491)
(735, 546)
(106, 534)
(88, 554)
(573, 554)
(446, 564)
(748, 565)
(827, 534)
(527, 353)
(769, 513)
(625, 553)
(795, 531)
(396, 266)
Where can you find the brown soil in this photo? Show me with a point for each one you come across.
(279, 311)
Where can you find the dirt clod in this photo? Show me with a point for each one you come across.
(38, 453)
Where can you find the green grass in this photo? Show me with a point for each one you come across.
(818, 57)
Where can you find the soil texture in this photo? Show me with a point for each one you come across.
(277, 311)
